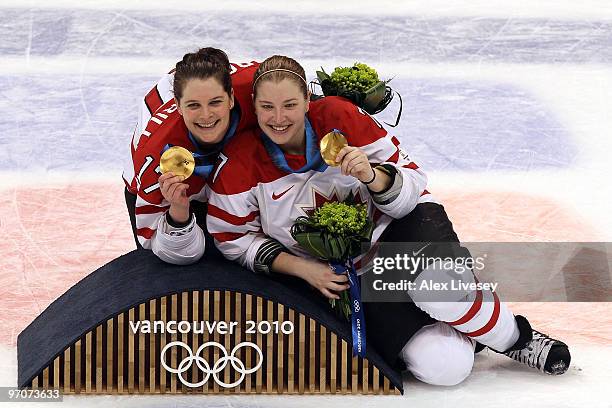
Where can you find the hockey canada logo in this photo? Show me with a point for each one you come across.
(217, 367)
(318, 198)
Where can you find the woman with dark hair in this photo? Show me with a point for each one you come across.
(212, 103)
(271, 176)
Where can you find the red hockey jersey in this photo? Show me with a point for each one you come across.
(163, 92)
(166, 126)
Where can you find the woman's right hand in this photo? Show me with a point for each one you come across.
(175, 192)
(321, 276)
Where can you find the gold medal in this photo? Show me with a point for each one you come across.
(178, 160)
(330, 145)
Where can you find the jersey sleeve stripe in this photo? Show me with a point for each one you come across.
(153, 100)
(394, 158)
(231, 218)
(146, 233)
(217, 225)
(228, 236)
(238, 202)
(411, 165)
(151, 209)
(425, 192)
(148, 220)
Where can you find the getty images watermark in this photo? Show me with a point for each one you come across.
(416, 261)
(198, 357)
(518, 271)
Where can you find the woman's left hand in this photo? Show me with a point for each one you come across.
(354, 162)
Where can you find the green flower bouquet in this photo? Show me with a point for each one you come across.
(335, 232)
(360, 84)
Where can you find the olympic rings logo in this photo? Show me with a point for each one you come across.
(218, 367)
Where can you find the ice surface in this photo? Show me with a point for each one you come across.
(160, 33)
(506, 105)
(83, 124)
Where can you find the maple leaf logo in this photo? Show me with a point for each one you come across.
(319, 198)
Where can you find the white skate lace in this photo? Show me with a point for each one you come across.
(536, 352)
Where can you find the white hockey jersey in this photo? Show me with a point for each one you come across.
(253, 199)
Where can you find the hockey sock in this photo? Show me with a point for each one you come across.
(477, 313)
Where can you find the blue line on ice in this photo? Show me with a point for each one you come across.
(446, 124)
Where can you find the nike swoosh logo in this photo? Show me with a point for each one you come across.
(415, 253)
(277, 196)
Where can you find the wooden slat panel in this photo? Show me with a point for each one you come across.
(173, 337)
(56, 373)
(153, 366)
(195, 310)
(276, 380)
(311, 356)
(184, 336)
(162, 343)
(77, 367)
(45, 382)
(375, 380)
(301, 353)
(344, 367)
(237, 334)
(280, 374)
(216, 316)
(35, 383)
(131, 353)
(67, 371)
(355, 375)
(140, 375)
(120, 352)
(109, 355)
(88, 362)
(227, 338)
(249, 337)
(258, 373)
(270, 346)
(365, 379)
(99, 349)
(333, 363)
(291, 356)
(206, 334)
(323, 365)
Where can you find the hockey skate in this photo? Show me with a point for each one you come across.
(539, 350)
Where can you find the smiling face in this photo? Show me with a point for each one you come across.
(205, 107)
(280, 108)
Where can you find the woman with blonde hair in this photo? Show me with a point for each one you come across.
(272, 175)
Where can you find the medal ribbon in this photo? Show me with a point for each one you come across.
(314, 161)
(205, 158)
(357, 317)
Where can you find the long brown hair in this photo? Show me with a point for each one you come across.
(205, 63)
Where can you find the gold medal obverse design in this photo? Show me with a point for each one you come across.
(178, 160)
(330, 146)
